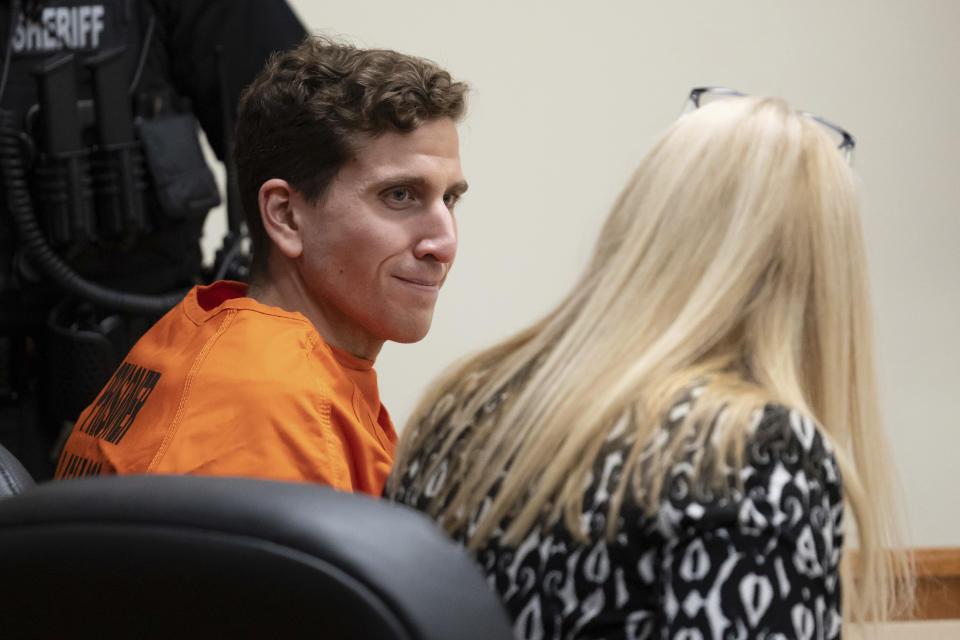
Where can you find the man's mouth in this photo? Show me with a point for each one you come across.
(421, 282)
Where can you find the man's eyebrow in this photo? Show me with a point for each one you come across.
(458, 188)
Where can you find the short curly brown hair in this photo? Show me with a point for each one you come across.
(299, 119)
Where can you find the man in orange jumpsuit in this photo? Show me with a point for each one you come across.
(348, 169)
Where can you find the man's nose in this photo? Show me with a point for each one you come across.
(439, 234)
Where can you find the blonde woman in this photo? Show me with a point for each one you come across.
(674, 450)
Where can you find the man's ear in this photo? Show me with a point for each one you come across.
(276, 199)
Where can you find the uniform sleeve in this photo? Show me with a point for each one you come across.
(764, 563)
(278, 454)
(252, 427)
(244, 32)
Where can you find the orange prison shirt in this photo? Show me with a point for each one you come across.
(224, 385)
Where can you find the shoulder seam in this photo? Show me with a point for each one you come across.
(187, 387)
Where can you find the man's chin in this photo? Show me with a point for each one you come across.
(410, 334)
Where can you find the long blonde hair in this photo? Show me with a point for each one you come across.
(734, 255)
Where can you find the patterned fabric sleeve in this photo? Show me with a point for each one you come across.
(762, 563)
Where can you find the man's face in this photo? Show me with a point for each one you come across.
(378, 246)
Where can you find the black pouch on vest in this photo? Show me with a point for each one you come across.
(183, 182)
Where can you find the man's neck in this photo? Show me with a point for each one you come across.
(291, 294)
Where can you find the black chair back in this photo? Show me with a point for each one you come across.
(14, 478)
(186, 556)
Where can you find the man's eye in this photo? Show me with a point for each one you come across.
(450, 199)
(398, 195)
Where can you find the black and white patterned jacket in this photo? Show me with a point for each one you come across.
(757, 563)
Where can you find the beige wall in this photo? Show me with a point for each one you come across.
(926, 630)
(566, 98)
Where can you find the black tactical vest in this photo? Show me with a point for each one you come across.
(117, 183)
